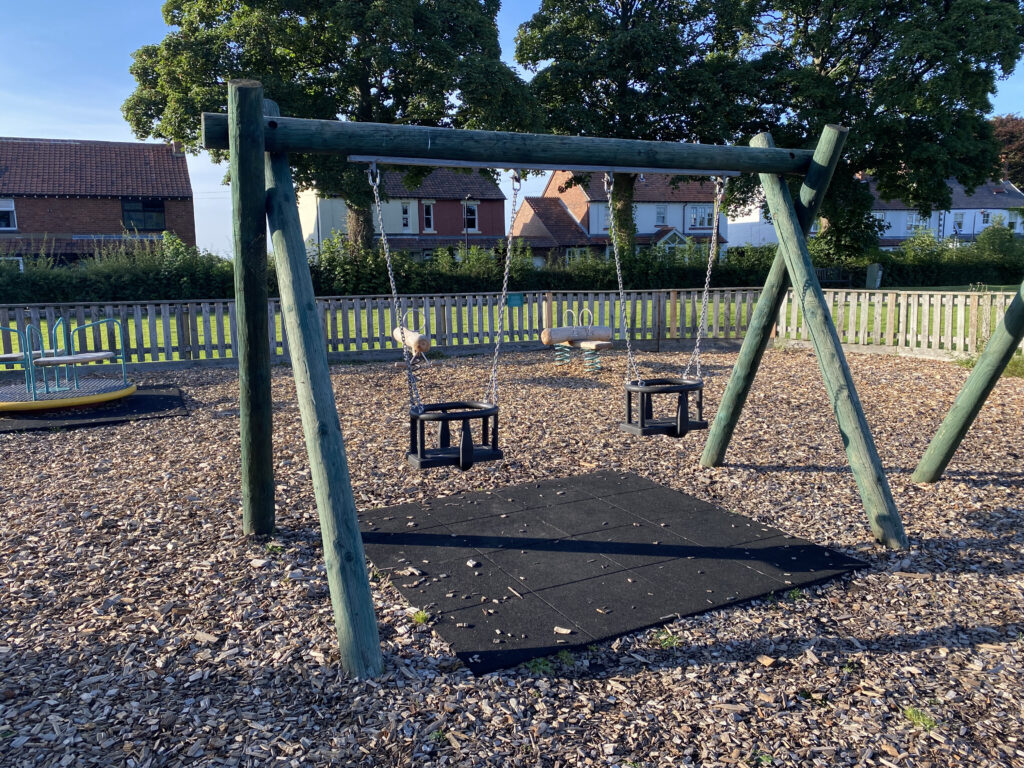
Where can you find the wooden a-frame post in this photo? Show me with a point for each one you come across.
(790, 227)
(248, 193)
(351, 599)
(977, 388)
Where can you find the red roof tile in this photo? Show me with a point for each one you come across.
(649, 188)
(442, 184)
(68, 167)
(558, 221)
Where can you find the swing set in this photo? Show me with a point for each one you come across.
(259, 140)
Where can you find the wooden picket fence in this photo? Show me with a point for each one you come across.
(919, 323)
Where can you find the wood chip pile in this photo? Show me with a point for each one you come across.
(139, 628)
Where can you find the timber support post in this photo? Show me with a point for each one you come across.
(872, 483)
(761, 328)
(248, 204)
(351, 599)
(972, 397)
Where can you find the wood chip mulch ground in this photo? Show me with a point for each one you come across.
(139, 628)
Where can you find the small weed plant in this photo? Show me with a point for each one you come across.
(920, 718)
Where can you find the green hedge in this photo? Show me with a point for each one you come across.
(131, 271)
(171, 271)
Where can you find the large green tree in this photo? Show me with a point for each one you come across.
(1009, 132)
(418, 62)
(664, 70)
(912, 80)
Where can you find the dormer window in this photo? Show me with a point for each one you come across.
(8, 220)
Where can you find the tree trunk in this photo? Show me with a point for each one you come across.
(625, 227)
(360, 226)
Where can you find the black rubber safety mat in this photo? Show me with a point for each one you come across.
(526, 571)
(148, 402)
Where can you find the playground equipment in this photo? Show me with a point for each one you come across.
(76, 389)
(590, 339)
(465, 412)
(979, 385)
(262, 190)
(684, 419)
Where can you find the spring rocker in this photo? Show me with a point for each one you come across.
(590, 339)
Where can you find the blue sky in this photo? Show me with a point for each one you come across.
(66, 65)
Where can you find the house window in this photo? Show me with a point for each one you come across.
(405, 217)
(985, 217)
(603, 213)
(470, 217)
(958, 222)
(660, 215)
(427, 255)
(143, 215)
(700, 217)
(7, 218)
(916, 221)
(1012, 222)
(428, 217)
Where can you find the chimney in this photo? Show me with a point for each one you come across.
(177, 150)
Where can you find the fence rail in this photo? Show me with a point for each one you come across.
(918, 323)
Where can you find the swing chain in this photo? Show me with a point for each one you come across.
(415, 403)
(491, 396)
(712, 254)
(609, 186)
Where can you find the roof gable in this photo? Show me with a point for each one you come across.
(557, 220)
(72, 168)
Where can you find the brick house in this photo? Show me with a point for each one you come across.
(66, 197)
(566, 221)
(446, 210)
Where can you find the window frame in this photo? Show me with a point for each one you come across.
(660, 214)
(428, 216)
(697, 214)
(468, 205)
(406, 217)
(149, 217)
(14, 214)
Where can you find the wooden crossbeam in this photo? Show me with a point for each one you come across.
(501, 149)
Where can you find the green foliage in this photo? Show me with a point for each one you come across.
(398, 62)
(666, 640)
(912, 82)
(420, 618)
(541, 666)
(920, 718)
(131, 270)
(1009, 132)
(632, 69)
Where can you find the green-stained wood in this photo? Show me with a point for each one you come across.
(990, 366)
(506, 150)
(758, 335)
(351, 599)
(867, 468)
(248, 199)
